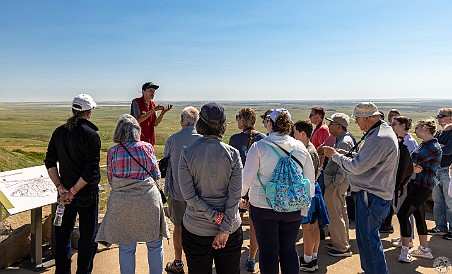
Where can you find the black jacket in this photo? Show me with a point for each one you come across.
(78, 154)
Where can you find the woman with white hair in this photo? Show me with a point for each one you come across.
(135, 210)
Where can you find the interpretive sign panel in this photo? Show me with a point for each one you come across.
(25, 189)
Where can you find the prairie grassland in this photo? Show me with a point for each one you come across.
(26, 128)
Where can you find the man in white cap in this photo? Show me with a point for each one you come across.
(371, 172)
(76, 147)
(336, 186)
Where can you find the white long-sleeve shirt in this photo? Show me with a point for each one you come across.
(262, 159)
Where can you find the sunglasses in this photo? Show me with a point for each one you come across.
(237, 117)
(441, 115)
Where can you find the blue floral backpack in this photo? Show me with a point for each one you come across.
(288, 190)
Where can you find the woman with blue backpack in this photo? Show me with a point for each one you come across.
(278, 174)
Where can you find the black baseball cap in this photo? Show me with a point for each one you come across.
(149, 85)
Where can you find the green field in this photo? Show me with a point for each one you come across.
(26, 127)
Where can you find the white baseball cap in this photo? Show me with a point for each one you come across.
(275, 112)
(83, 102)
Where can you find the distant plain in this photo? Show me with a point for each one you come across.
(25, 128)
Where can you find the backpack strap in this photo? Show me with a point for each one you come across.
(285, 151)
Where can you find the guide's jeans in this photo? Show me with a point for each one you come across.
(442, 202)
(87, 209)
(370, 210)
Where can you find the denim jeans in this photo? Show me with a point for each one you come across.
(87, 209)
(155, 257)
(371, 210)
(442, 208)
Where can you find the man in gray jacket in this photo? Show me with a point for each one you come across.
(336, 185)
(176, 204)
(372, 175)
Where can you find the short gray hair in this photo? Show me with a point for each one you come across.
(190, 116)
(127, 129)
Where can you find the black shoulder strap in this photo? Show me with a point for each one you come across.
(136, 159)
(355, 147)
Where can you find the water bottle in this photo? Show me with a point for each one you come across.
(59, 215)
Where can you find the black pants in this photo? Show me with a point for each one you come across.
(414, 204)
(276, 234)
(87, 209)
(200, 254)
(388, 220)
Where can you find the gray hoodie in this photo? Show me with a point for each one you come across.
(374, 167)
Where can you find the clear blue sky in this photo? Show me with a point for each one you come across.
(225, 50)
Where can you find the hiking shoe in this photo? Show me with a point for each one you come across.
(330, 246)
(405, 256)
(387, 229)
(435, 231)
(448, 236)
(421, 253)
(171, 267)
(315, 264)
(337, 253)
(307, 267)
(249, 265)
(399, 243)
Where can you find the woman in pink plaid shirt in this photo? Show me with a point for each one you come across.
(135, 210)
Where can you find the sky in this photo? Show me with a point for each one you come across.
(225, 50)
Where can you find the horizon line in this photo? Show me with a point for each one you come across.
(248, 100)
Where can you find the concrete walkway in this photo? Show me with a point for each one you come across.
(106, 261)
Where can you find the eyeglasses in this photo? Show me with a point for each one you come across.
(441, 116)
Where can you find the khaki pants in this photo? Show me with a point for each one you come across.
(337, 211)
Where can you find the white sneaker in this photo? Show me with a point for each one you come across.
(422, 254)
(405, 256)
(393, 240)
(399, 243)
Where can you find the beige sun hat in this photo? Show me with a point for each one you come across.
(340, 118)
(365, 109)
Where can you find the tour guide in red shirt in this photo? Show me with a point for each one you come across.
(144, 110)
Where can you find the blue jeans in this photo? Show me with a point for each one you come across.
(155, 257)
(442, 208)
(370, 210)
(87, 209)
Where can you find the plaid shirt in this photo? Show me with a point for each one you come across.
(429, 158)
(121, 165)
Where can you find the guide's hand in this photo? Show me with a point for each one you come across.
(220, 240)
(168, 108)
(159, 107)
